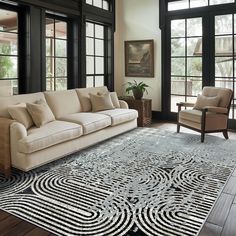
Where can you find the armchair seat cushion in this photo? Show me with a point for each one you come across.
(48, 135)
(90, 122)
(119, 116)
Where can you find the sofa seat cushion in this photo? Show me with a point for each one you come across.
(196, 115)
(48, 135)
(119, 116)
(90, 122)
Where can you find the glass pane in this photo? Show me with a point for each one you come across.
(224, 24)
(191, 99)
(89, 29)
(49, 67)
(224, 46)
(194, 46)
(61, 29)
(225, 83)
(49, 47)
(97, 3)
(174, 100)
(8, 87)
(178, 28)
(194, 86)
(194, 66)
(61, 84)
(198, 3)
(194, 27)
(49, 27)
(99, 81)
(89, 81)
(178, 47)
(89, 65)
(178, 85)
(99, 47)
(178, 5)
(61, 67)
(89, 2)
(9, 67)
(177, 66)
(61, 48)
(8, 21)
(50, 84)
(215, 2)
(223, 66)
(89, 46)
(105, 5)
(99, 31)
(99, 65)
(8, 43)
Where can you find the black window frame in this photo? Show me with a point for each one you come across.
(207, 13)
(66, 20)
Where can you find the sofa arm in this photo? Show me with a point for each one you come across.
(123, 104)
(18, 131)
(5, 151)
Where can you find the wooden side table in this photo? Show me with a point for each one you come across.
(144, 108)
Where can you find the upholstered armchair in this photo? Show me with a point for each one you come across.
(209, 114)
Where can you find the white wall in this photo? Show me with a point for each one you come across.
(138, 20)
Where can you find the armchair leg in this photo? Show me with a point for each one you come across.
(225, 133)
(178, 128)
(202, 137)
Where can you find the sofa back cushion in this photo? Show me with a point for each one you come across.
(5, 102)
(63, 102)
(84, 96)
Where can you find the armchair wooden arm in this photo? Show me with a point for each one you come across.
(221, 110)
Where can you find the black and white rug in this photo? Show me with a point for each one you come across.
(144, 182)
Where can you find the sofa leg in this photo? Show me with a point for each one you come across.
(225, 133)
(202, 137)
(178, 128)
(7, 172)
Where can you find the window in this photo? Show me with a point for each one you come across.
(225, 54)
(95, 55)
(8, 52)
(56, 54)
(185, 4)
(104, 4)
(186, 60)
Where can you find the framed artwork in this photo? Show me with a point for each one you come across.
(139, 58)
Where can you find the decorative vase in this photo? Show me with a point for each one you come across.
(138, 94)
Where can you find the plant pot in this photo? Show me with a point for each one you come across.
(138, 94)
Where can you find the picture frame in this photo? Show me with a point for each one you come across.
(139, 58)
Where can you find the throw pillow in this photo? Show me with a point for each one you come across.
(19, 113)
(40, 112)
(203, 101)
(114, 99)
(101, 102)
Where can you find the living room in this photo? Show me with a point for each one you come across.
(82, 152)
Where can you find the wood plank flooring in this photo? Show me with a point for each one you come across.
(221, 221)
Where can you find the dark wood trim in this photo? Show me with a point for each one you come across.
(67, 7)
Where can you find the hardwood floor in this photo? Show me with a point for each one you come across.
(221, 221)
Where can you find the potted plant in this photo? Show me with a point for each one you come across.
(138, 89)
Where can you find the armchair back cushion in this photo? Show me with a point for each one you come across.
(63, 102)
(223, 93)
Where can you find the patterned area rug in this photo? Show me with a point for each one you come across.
(144, 182)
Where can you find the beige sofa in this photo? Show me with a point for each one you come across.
(76, 126)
